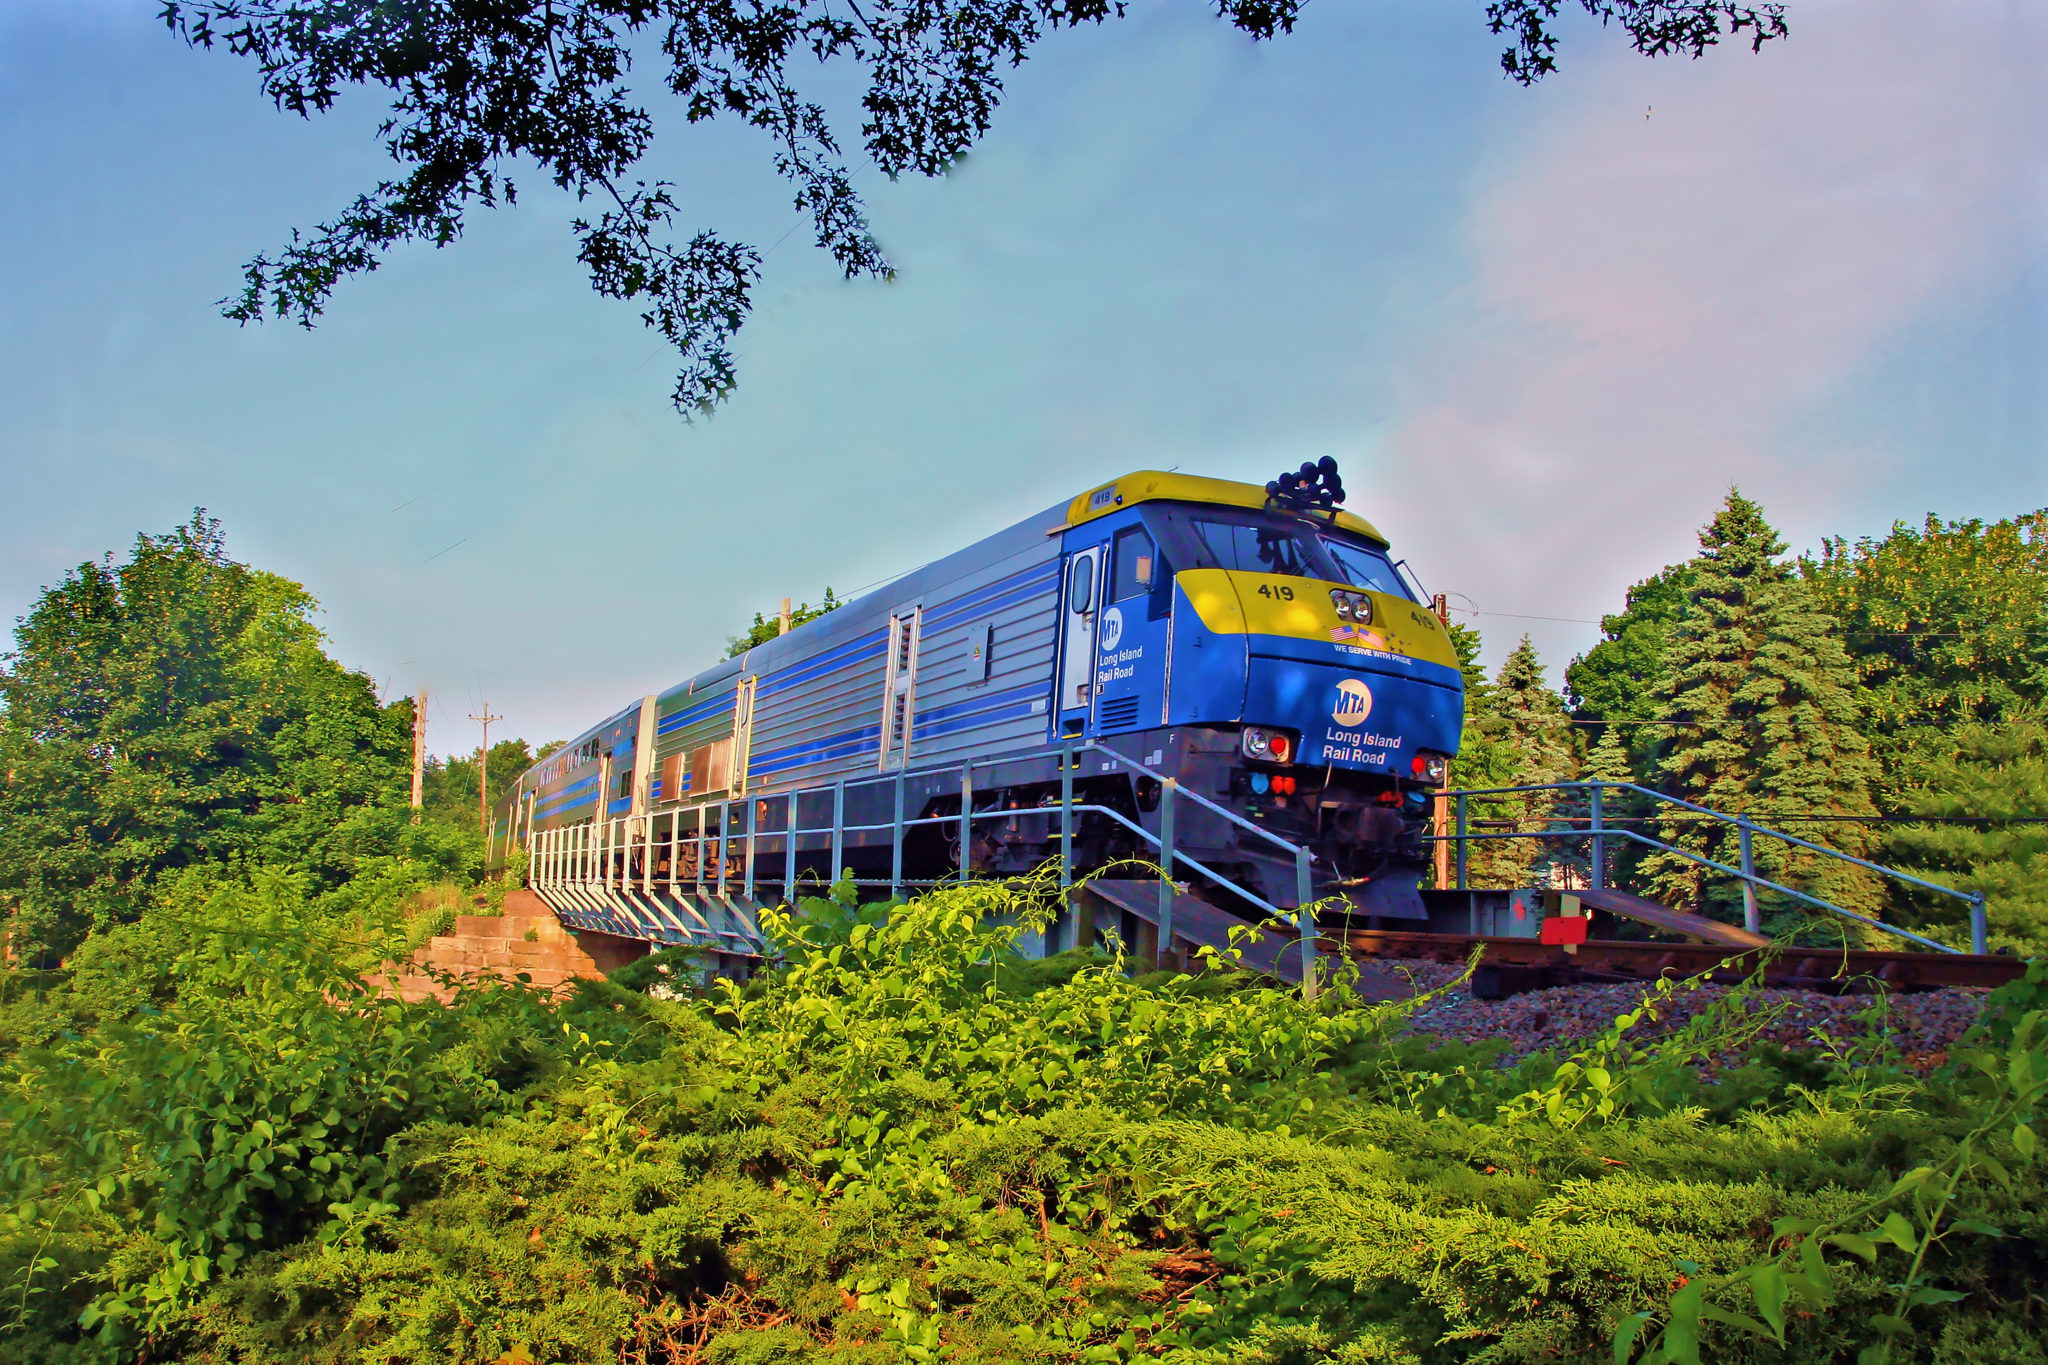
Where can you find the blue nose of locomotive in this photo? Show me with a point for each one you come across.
(1373, 698)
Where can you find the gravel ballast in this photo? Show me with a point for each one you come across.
(1922, 1025)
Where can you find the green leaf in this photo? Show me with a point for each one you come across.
(1930, 1295)
(1768, 1287)
(1816, 1267)
(1625, 1334)
(1919, 1175)
(1888, 1325)
(1741, 1320)
(1978, 1226)
(1855, 1244)
(1899, 1233)
(2024, 1141)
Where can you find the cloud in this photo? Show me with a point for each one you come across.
(1676, 262)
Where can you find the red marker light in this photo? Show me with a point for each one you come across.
(1281, 749)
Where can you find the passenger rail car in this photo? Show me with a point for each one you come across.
(1258, 649)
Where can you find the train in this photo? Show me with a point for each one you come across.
(1257, 649)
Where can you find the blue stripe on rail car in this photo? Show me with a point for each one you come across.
(872, 645)
(690, 715)
(1018, 587)
(845, 745)
(567, 801)
(940, 719)
(1017, 710)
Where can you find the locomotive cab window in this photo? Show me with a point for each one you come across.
(1364, 567)
(1137, 563)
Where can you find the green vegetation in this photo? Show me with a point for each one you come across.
(909, 1144)
(223, 1140)
(177, 715)
(1760, 718)
(1896, 677)
(766, 628)
(176, 711)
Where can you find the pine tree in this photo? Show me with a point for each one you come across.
(1533, 718)
(1763, 722)
(1525, 724)
(1999, 776)
(1608, 761)
(1482, 761)
(1624, 677)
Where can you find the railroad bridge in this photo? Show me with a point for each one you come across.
(699, 877)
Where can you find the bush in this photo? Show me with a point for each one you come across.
(906, 1144)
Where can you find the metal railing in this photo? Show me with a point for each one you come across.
(1598, 829)
(695, 873)
(607, 869)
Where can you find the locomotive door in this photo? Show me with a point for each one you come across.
(1077, 639)
(1130, 635)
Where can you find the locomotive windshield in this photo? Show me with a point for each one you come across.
(1270, 542)
(1364, 567)
(1257, 548)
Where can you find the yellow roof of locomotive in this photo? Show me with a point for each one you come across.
(1151, 485)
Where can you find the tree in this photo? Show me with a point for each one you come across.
(1516, 733)
(766, 628)
(450, 788)
(477, 87)
(1621, 680)
(1529, 718)
(178, 710)
(1948, 626)
(1764, 721)
(1991, 801)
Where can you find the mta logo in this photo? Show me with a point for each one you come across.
(1112, 629)
(1354, 702)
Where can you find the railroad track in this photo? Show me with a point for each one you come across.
(1513, 965)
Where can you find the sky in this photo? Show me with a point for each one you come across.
(1542, 330)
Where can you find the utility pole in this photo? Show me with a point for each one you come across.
(419, 752)
(784, 617)
(483, 790)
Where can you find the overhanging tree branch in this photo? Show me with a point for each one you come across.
(477, 84)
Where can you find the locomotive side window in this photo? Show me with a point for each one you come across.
(1135, 563)
(1365, 568)
(1254, 548)
(1081, 586)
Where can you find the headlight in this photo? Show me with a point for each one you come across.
(1268, 746)
(1430, 768)
(1355, 607)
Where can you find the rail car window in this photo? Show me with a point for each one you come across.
(1254, 548)
(1136, 560)
(1365, 568)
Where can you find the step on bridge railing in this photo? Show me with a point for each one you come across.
(699, 874)
(1598, 825)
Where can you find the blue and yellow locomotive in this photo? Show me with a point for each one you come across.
(1256, 647)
